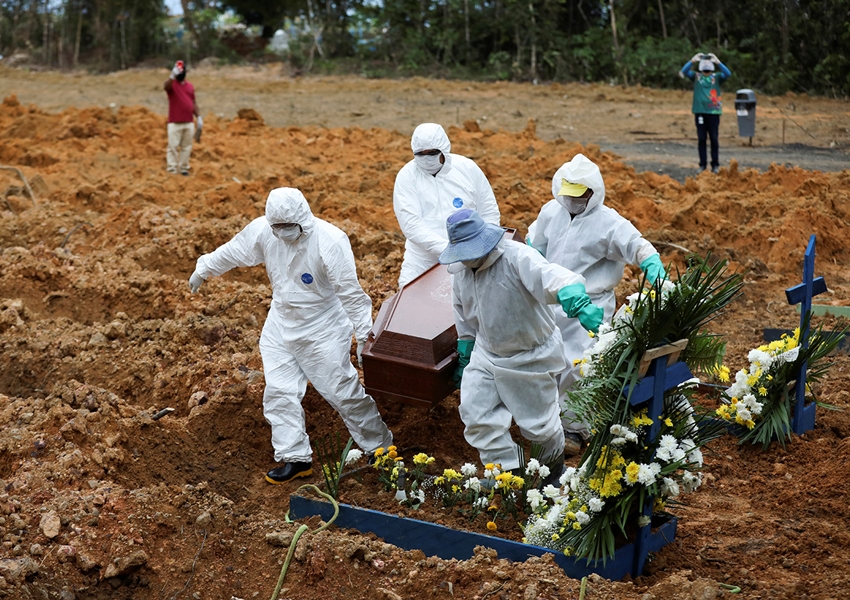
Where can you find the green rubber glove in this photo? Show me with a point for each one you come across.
(576, 303)
(464, 352)
(653, 268)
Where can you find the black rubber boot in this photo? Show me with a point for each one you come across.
(289, 471)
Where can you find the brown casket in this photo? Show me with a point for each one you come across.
(411, 352)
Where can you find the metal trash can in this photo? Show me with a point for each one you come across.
(745, 108)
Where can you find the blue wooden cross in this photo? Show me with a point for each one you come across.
(659, 379)
(803, 419)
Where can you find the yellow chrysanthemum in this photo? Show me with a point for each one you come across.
(439, 481)
(379, 452)
(492, 526)
(420, 459)
(723, 374)
(489, 466)
(762, 391)
(555, 537)
(632, 472)
(668, 422)
(577, 526)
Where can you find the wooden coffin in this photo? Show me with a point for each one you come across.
(411, 353)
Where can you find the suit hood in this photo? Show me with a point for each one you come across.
(584, 171)
(288, 205)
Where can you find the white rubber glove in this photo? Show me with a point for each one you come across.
(175, 72)
(195, 282)
(714, 59)
(360, 345)
(697, 57)
(200, 122)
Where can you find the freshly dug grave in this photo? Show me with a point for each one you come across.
(99, 333)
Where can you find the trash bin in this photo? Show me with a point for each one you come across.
(745, 108)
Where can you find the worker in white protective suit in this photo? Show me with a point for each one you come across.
(510, 350)
(577, 231)
(427, 190)
(316, 303)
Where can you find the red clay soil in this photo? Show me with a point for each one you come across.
(99, 332)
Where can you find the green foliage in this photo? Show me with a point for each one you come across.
(332, 458)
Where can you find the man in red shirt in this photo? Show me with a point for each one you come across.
(181, 128)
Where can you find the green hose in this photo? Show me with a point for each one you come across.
(298, 533)
(733, 589)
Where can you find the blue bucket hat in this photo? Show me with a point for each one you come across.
(469, 237)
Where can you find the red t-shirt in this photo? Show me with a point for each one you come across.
(181, 102)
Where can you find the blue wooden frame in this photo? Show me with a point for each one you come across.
(447, 543)
(444, 542)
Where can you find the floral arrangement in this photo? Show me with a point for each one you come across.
(762, 398)
(623, 466)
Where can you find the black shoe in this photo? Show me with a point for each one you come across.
(372, 459)
(554, 476)
(184, 173)
(573, 444)
(715, 170)
(289, 471)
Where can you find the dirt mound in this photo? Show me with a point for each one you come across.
(99, 333)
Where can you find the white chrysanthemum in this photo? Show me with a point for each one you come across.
(678, 455)
(760, 358)
(353, 456)
(669, 487)
(534, 498)
(550, 491)
(619, 441)
(595, 504)
(582, 517)
(632, 437)
(617, 429)
(744, 413)
(691, 481)
(469, 470)
(645, 475)
(482, 502)
(473, 483)
(664, 454)
(419, 495)
(544, 471)
(668, 442)
(695, 457)
(756, 408)
(533, 466)
(740, 387)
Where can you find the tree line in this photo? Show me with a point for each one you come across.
(770, 45)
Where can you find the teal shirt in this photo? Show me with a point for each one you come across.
(707, 100)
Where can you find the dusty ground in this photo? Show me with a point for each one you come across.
(99, 332)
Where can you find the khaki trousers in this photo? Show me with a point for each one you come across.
(179, 146)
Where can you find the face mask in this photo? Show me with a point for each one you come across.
(575, 206)
(429, 164)
(474, 264)
(287, 234)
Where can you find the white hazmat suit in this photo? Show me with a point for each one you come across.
(518, 352)
(316, 303)
(423, 201)
(597, 244)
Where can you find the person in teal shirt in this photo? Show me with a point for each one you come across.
(707, 105)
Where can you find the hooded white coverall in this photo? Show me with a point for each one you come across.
(316, 301)
(423, 202)
(596, 244)
(505, 306)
